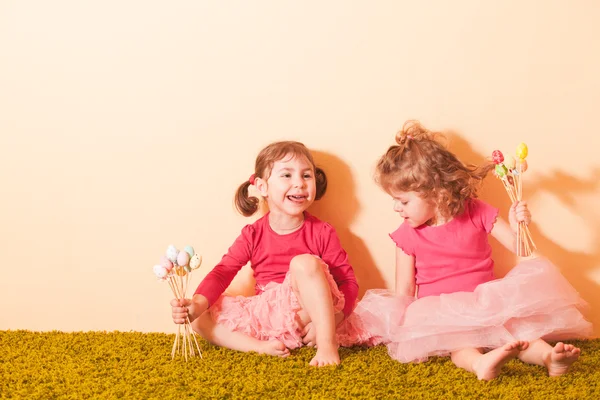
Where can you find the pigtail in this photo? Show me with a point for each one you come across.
(479, 173)
(321, 182)
(245, 204)
(464, 189)
(476, 176)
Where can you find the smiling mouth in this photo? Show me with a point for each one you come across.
(296, 198)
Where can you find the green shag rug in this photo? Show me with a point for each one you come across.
(117, 365)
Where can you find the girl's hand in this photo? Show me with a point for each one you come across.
(308, 331)
(180, 310)
(518, 213)
(309, 335)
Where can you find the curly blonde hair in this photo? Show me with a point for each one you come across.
(420, 163)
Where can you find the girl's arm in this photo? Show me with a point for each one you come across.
(405, 274)
(334, 255)
(219, 278)
(505, 235)
(504, 232)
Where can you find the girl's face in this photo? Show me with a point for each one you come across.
(415, 210)
(291, 186)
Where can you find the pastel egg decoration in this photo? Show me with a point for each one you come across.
(165, 262)
(504, 172)
(190, 250)
(183, 258)
(195, 261)
(523, 165)
(172, 253)
(160, 271)
(501, 170)
(497, 157)
(511, 163)
(522, 151)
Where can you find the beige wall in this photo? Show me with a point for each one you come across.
(126, 126)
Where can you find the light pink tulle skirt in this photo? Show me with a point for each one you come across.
(532, 301)
(273, 314)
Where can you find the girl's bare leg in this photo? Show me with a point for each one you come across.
(221, 336)
(556, 359)
(487, 366)
(312, 288)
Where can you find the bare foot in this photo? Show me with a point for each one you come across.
(327, 354)
(560, 358)
(274, 348)
(488, 366)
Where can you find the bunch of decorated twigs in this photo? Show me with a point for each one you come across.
(511, 173)
(175, 268)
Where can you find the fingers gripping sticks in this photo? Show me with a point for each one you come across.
(510, 173)
(175, 268)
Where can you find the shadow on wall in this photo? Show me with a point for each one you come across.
(339, 207)
(575, 266)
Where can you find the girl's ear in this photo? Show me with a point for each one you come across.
(261, 185)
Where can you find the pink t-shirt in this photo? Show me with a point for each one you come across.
(453, 257)
(270, 254)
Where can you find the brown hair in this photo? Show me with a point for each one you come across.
(247, 205)
(420, 163)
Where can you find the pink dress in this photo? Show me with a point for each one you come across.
(272, 312)
(460, 304)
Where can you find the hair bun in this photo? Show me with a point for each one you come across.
(412, 129)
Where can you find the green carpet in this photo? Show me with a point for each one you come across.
(107, 365)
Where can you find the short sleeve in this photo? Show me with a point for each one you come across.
(404, 239)
(482, 214)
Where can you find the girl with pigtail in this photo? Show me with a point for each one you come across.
(447, 300)
(305, 285)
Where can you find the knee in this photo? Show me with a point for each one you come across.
(306, 265)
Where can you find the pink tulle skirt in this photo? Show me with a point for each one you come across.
(273, 314)
(532, 301)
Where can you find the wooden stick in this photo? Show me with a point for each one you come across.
(187, 281)
(173, 284)
(189, 337)
(184, 349)
(179, 288)
(177, 337)
(189, 341)
(196, 341)
(518, 243)
(183, 340)
(186, 338)
(174, 348)
(173, 287)
(520, 181)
